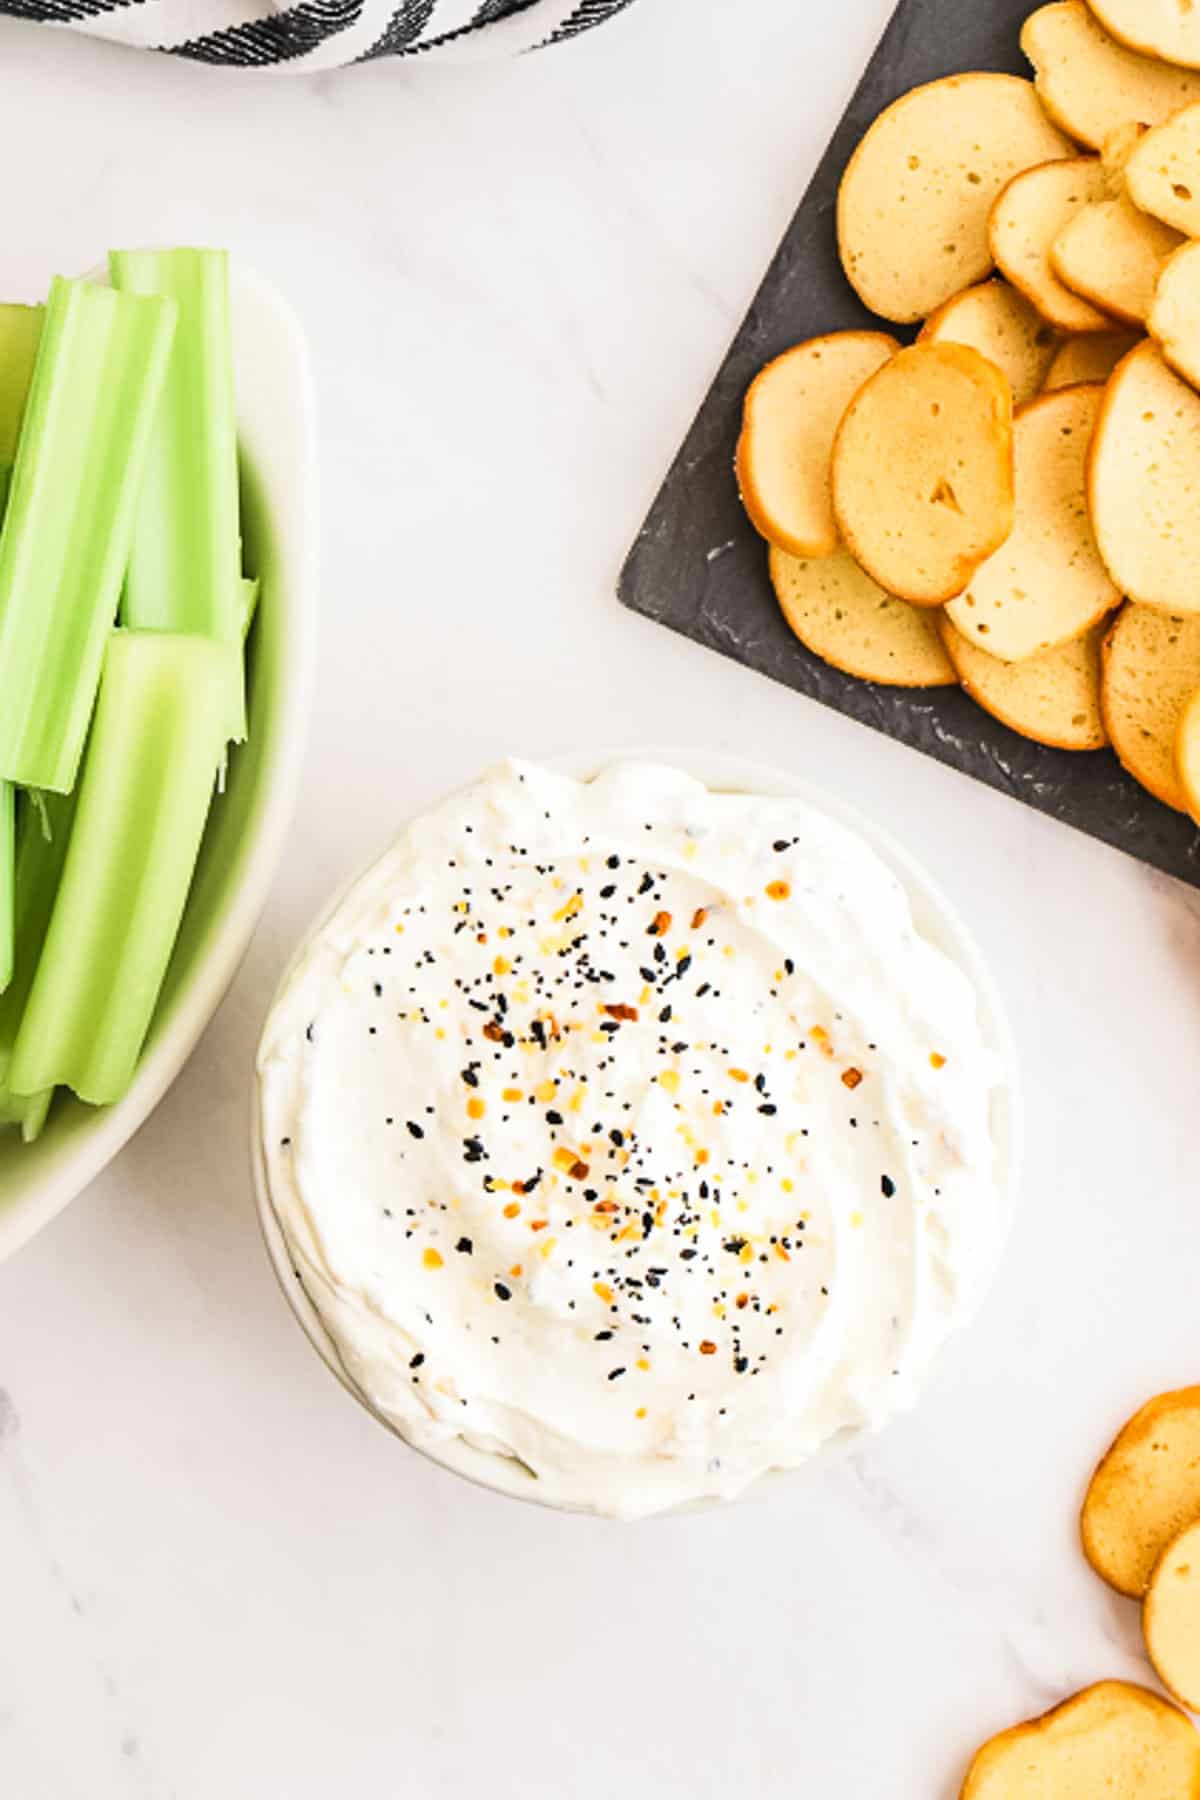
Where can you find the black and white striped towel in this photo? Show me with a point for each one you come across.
(323, 34)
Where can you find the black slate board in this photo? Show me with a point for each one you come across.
(700, 567)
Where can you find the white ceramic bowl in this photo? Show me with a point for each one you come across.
(934, 917)
(246, 831)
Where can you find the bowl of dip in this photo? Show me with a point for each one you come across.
(634, 1130)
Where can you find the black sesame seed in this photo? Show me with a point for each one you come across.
(500, 1291)
(464, 1246)
(888, 1186)
(414, 1130)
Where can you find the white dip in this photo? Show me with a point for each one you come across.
(632, 1131)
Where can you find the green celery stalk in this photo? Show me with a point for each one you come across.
(8, 872)
(20, 332)
(157, 741)
(71, 506)
(185, 567)
(43, 829)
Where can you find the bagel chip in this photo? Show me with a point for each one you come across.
(1114, 1740)
(1166, 29)
(1000, 323)
(1029, 216)
(1053, 698)
(1174, 320)
(1187, 755)
(1145, 1490)
(1089, 84)
(1090, 357)
(1149, 670)
(1144, 483)
(1111, 254)
(1047, 583)
(792, 411)
(1162, 172)
(913, 205)
(846, 619)
(923, 471)
(1171, 1617)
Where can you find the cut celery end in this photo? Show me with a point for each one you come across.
(185, 566)
(70, 517)
(29, 1113)
(8, 876)
(159, 735)
(42, 829)
(20, 334)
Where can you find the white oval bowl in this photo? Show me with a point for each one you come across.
(242, 846)
(935, 918)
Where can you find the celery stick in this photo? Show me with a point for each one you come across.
(8, 870)
(185, 567)
(159, 735)
(250, 587)
(20, 333)
(43, 829)
(67, 531)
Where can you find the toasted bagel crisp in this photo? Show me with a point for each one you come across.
(1027, 219)
(1174, 320)
(1145, 1490)
(1162, 173)
(792, 411)
(923, 471)
(1053, 698)
(1114, 1740)
(846, 619)
(1144, 483)
(1089, 83)
(1150, 668)
(1091, 357)
(1167, 29)
(1111, 254)
(1000, 323)
(1047, 583)
(1171, 1618)
(1187, 755)
(913, 204)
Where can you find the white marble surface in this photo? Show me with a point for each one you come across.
(216, 1576)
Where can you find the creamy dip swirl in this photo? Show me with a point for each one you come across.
(631, 1130)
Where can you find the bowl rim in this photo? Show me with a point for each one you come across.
(934, 913)
(83, 1157)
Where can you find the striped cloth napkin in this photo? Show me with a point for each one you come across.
(305, 35)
